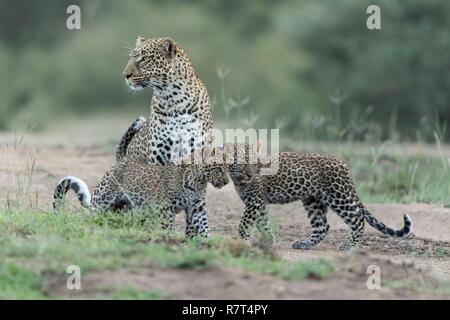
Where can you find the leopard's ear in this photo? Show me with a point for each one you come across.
(139, 41)
(169, 48)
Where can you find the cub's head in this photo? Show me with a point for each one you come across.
(206, 165)
(216, 174)
(242, 160)
(156, 63)
(213, 166)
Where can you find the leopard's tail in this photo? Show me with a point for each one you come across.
(380, 226)
(77, 185)
(122, 147)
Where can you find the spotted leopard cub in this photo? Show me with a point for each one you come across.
(319, 181)
(172, 188)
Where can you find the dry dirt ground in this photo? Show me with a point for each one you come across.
(421, 260)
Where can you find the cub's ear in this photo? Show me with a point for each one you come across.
(169, 48)
(259, 147)
(229, 147)
(208, 155)
(139, 41)
(228, 152)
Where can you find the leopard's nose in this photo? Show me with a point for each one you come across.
(128, 70)
(127, 74)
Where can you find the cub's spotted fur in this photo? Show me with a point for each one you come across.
(319, 181)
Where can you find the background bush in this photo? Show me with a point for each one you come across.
(310, 67)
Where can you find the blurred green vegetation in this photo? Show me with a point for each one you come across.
(310, 67)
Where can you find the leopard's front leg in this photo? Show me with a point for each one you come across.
(251, 213)
(196, 219)
(263, 226)
(167, 214)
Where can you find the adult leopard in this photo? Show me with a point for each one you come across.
(180, 118)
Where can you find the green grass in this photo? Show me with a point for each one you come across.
(401, 179)
(438, 252)
(130, 293)
(419, 286)
(388, 173)
(19, 283)
(36, 244)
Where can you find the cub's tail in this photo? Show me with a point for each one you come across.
(77, 185)
(380, 226)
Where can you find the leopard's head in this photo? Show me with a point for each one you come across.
(156, 63)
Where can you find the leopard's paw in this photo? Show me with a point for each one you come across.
(302, 245)
(268, 238)
(348, 246)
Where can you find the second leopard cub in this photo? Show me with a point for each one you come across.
(319, 181)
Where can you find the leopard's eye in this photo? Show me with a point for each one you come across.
(140, 61)
(143, 59)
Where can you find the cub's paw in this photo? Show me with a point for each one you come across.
(268, 238)
(347, 246)
(302, 245)
(138, 124)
